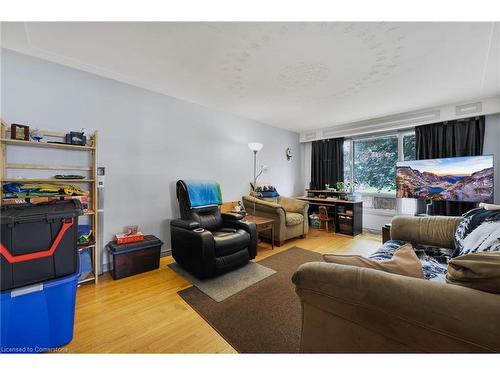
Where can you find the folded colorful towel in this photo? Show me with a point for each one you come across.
(203, 193)
(42, 190)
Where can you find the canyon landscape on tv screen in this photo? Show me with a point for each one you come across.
(467, 179)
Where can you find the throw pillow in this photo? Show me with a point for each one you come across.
(478, 271)
(403, 262)
(269, 194)
(479, 231)
(265, 192)
(259, 187)
(488, 206)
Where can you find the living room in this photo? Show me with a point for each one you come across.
(238, 187)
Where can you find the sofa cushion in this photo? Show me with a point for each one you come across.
(432, 230)
(479, 231)
(476, 270)
(228, 241)
(273, 200)
(292, 204)
(434, 259)
(403, 262)
(293, 218)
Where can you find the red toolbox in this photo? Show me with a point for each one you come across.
(38, 242)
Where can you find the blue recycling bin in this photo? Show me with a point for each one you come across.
(38, 317)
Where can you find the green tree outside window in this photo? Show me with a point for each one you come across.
(374, 166)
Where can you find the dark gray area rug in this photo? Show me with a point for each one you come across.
(224, 286)
(263, 318)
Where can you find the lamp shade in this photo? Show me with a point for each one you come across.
(255, 146)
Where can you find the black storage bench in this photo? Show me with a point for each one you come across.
(38, 242)
(137, 257)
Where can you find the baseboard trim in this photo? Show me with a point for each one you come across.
(372, 231)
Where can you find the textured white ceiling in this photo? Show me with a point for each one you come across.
(296, 76)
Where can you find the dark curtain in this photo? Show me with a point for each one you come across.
(462, 137)
(327, 162)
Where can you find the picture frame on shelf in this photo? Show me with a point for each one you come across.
(20, 132)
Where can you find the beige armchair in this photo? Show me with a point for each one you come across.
(358, 310)
(289, 214)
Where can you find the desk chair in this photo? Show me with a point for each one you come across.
(325, 218)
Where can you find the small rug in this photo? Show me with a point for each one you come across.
(224, 286)
(263, 318)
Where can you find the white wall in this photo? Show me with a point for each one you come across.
(374, 221)
(147, 141)
(492, 146)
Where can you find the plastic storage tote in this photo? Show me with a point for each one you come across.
(38, 242)
(85, 262)
(38, 317)
(131, 259)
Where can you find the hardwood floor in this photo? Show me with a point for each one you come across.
(144, 314)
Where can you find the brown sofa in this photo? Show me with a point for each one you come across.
(358, 310)
(289, 214)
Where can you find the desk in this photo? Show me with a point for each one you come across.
(348, 215)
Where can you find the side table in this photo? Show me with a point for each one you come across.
(386, 233)
(262, 224)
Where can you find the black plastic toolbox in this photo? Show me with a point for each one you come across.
(38, 242)
(133, 258)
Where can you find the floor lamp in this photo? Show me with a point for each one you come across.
(255, 147)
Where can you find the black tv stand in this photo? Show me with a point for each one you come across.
(447, 208)
(428, 208)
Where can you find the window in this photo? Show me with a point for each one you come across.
(348, 162)
(374, 164)
(371, 164)
(409, 147)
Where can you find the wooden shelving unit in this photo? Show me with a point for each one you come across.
(347, 214)
(46, 144)
(47, 167)
(90, 181)
(56, 180)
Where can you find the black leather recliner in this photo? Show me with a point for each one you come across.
(206, 242)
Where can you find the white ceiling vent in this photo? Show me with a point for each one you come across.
(466, 109)
(310, 136)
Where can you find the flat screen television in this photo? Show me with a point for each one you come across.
(465, 179)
